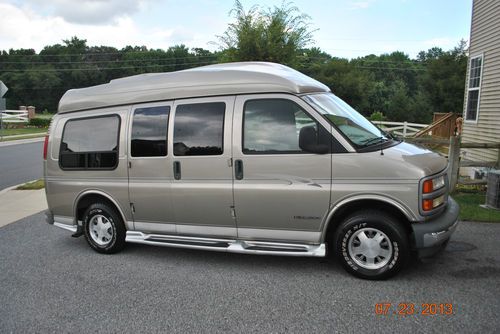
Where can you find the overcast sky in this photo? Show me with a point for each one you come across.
(344, 28)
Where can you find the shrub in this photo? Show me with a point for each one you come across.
(40, 122)
(377, 116)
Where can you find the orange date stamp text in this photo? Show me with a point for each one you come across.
(402, 309)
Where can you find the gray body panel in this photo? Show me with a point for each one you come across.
(282, 198)
(64, 188)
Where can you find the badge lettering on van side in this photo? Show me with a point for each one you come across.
(307, 217)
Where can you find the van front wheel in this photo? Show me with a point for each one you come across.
(103, 229)
(371, 245)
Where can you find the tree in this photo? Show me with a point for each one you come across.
(276, 34)
(443, 81)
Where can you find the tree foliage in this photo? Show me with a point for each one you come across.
(274, 34)
(40, 79)
(391, 86)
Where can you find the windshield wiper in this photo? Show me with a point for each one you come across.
(375, 140)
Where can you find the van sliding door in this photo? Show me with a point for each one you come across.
(202, 194)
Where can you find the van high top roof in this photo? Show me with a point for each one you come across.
(212, 80)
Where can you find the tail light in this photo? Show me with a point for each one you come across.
(45, 146)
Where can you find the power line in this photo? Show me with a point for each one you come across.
(123, 51)
(173, 60)
(104, 61)
(172, 65)
(91, 53)
(108, 68)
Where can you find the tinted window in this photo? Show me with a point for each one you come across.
(149, 132)
(199, 129)
(273, 126)
(90, 143)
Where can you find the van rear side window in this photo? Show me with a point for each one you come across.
(90, 143)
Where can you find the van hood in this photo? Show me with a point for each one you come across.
(414, 160)
(403, 161)
(418, 158)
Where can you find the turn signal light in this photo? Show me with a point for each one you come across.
(427, 204)
(428, 187)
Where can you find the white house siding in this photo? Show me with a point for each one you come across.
(485, 40)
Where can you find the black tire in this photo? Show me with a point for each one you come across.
(100, 237)
(371, 245)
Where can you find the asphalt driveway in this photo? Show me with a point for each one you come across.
(20, 162)
(50, 282)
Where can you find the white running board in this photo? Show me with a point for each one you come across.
(227, 245)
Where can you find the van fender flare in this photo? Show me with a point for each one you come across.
(96, 192)
(373, 197)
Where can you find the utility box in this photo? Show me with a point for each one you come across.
(493, 193)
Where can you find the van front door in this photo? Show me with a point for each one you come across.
(281, 192)
(150, 174)
(202, 194)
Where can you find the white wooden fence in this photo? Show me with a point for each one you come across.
(14, 116)
(402, 129)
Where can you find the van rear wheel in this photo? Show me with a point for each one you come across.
(371, 245)
(104, 229)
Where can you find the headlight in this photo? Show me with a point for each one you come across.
(433, 184)
(433, 193)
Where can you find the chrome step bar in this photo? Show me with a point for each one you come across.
(227, 245)
(71, 228)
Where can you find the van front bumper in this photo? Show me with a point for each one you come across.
(432, 236)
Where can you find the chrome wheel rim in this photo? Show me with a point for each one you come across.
(101, 230)
(370, 248)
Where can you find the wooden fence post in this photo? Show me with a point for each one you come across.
(454, 161)
(405, 129)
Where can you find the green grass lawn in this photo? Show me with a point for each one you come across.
(46, 116)
(22, 131)
(33, 185)
(470, 209)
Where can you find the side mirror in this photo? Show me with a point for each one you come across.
(308, 141)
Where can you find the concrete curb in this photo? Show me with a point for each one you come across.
(6, 190)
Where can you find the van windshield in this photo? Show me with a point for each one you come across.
(352, 124)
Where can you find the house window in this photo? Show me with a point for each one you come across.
(473, 92)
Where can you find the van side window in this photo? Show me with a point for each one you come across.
(272, 126)
(149, 132)
(199, 129)
(90, 143)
